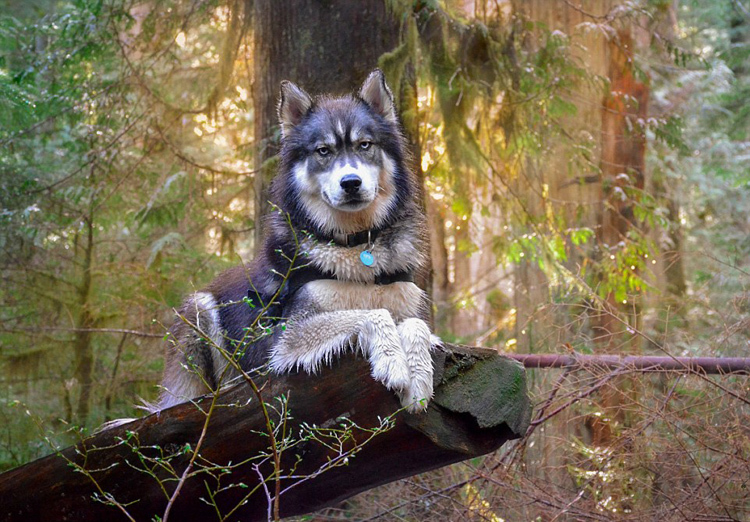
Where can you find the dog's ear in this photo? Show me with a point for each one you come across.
(293, 105)
(378, 96)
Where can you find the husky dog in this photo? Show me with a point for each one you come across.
(336, 270)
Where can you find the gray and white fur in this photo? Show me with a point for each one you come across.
(343, 178)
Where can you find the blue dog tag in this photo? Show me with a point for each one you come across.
(367, 258)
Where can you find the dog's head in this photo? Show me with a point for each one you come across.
(343, 155)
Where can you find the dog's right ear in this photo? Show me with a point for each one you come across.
(378, 96)
(293, 106)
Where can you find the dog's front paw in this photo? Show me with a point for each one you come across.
(416, 397)
(417, 342)
(389, 366)
(381, 344)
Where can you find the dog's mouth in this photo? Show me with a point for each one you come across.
(353, 203)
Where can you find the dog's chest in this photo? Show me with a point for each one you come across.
(353, 285)
(401, 299)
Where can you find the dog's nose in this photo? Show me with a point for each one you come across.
(351, 183)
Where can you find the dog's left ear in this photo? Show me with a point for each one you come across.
(378, 96)
(294, 104)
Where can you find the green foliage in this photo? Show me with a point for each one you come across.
(113, 206)
(125, 184)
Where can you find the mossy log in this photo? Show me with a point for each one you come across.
(480, 402)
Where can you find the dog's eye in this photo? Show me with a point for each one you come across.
(323, 151)
(365, 145)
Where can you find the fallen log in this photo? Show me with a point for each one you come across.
(336, 434)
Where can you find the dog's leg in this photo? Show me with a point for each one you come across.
(310, 341)
(416, 340)
(194, 362)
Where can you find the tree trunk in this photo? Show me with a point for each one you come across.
(324, 47)
(480, 402)
(84, 351)
(576, 190)
(623, 166)
(439, 258)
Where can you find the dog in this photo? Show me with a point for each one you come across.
(337, 264)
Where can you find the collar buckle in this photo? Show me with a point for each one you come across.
(358, 238)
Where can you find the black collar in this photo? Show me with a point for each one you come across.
(358, 238)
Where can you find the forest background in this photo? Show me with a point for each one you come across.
(585, 173)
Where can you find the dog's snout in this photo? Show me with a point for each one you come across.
(351, 183)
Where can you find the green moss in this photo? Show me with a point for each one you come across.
(492, 390)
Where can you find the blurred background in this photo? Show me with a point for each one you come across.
(585, 169)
